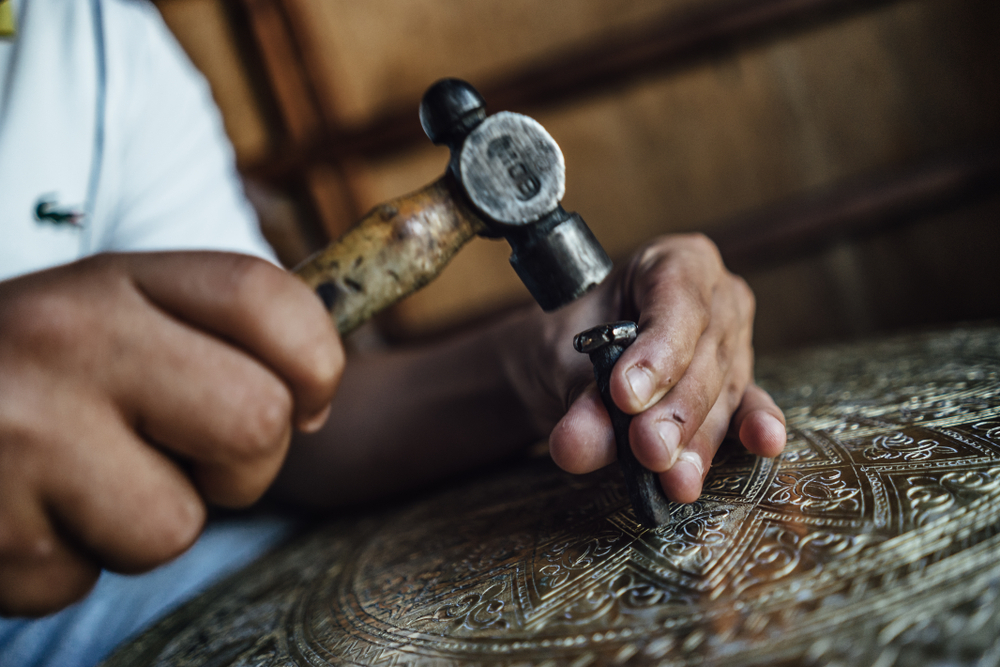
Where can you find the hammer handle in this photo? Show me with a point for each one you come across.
(397, 248)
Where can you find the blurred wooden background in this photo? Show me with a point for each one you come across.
(844, 154)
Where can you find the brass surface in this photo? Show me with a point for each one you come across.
(873, 539)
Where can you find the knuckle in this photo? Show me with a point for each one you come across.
(46, 320)
(44, 315)
(702, 244)
(177, 526)
(266, 422)
(653, 264)
(23, 445)
(724, 352)
(18, 542)
(651, 255)
(699, 240)
(733, 394)
(326, 360)
(745, 295)
(246, 281)
(700, 293)
(250, 278)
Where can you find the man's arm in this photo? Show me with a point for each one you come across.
(403, 418)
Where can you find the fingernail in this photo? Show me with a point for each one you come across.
(670, 437)
(692, 460)
(641, 384)
(315, 422)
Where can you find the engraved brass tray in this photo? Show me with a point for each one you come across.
(873, 540)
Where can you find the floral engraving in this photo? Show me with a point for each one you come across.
(932, 497)
(477, 611)
(991, 429)
(725, 483)
(819, 491)
(899, 446)
(784, 550)
(568, 557)
(798, 450)
(697, 540)
(622, 600)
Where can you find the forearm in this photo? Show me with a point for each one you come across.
(404, 418)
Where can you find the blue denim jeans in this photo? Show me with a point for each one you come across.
(121, 606)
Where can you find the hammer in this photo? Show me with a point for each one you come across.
(506, 177)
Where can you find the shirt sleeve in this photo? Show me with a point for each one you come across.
(168, 179)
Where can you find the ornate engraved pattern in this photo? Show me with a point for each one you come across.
(898, 446)
(815, 492)
(872, 540)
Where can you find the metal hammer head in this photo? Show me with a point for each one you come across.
(513, 175)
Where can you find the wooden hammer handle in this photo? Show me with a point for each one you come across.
(396, 249)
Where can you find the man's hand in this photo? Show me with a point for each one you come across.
(688, 377)
(133, 390)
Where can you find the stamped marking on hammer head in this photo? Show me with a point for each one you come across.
(513, 169)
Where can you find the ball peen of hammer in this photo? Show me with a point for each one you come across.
(505, 178)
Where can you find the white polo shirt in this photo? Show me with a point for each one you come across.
(102, 115)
